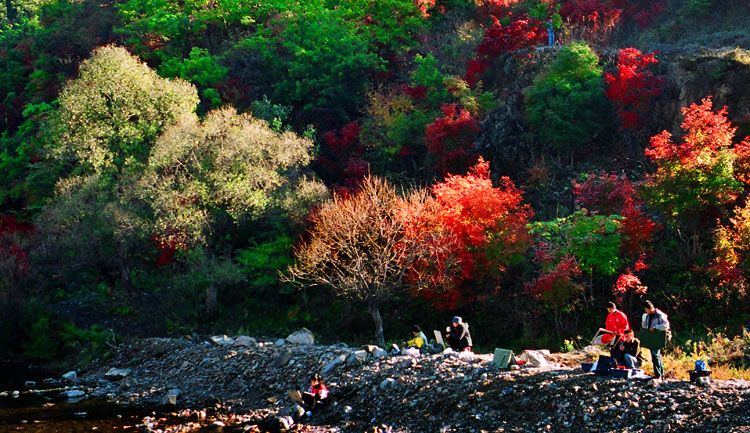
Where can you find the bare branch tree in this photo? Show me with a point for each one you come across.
(359, 247)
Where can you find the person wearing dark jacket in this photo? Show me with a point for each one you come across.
(458, 336)
(627, 351)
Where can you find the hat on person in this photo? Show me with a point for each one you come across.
(457, 319)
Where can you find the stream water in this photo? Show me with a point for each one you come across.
(29, 403)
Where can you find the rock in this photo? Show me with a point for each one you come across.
(280, 342)
(74, 393)
(222, 340)
(171, 397)
(245, 341)
(358, 357)
(704, 381)
(283, 359)
(295, 411)
(70, 376)
(29, 384)
(534, 358)
(387, 383)
(15, 394)
(116, 373)
(302, 336)
(467, 356)
(333, 364)
(377, 352)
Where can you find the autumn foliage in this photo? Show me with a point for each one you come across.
(633, 86)
(696, 178)
(609, 194)
(476, 230)
(14, 260)
(343, 163)
(449, 139)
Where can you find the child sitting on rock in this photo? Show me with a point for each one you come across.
(315, 396)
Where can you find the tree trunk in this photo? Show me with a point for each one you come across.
(212, 306)
(375, 312)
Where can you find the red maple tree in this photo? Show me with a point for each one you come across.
(477, 230)
(633, 86)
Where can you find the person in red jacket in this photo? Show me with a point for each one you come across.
(617, 321)
(317, 394)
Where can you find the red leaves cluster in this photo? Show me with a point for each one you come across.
(450, 139)
(345, 163)
(474, 230)
(609, 194)
(10, 229)
(522, 32)
(415, 92)
(705, 131)
(633, 86)
(557, 286)
(629, 283)
(596, 17)
(643, 12)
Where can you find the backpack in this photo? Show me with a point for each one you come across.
(604, 365)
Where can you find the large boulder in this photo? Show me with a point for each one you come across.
(303, 336)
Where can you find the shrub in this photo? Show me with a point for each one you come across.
(565, 105)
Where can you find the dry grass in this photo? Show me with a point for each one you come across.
(728, 358)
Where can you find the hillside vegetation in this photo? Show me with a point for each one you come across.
(175, 167)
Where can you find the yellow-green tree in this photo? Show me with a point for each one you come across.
(205, 178)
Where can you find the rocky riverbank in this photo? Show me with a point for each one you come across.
(241, 381)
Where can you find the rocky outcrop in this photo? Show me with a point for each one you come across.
(722, 73)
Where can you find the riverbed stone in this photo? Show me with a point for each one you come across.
(116, 373)
(302, 336)
(222, 340)
(70, 376)
(245, 341)
(335, 362)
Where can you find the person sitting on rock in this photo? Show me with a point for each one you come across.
(458, 336)
(316, 396)
(627, 351)
(414, 346)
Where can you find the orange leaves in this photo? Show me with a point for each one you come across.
(706, 133)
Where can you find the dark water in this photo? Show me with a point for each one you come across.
(44, 409)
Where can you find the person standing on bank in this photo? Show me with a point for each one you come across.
(617, 321)
(458, 336)
(653, 319)
(550, 33)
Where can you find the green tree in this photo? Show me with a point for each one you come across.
(112, 113)
(207, 178)
(91, 232)
(565, 105)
